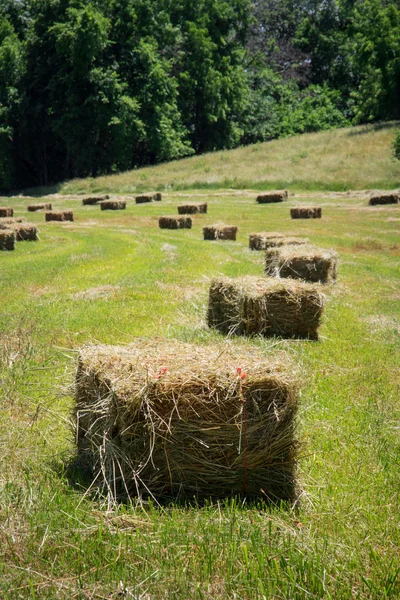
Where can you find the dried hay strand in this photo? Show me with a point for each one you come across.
(192, 209)
(24, 232)
(164, 418)
(175, 223)
(305, 262)
(7, 239)
(6, 222)
(60, 215)
(220, 232)
(269, 306)
(91, 200)
(6, 211)
(42, 206)
(268, 197)
(384, 198)
(113, 205)
(306, 212)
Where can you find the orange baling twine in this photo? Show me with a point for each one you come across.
(242, 375)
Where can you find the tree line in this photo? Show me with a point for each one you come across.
(98, 86)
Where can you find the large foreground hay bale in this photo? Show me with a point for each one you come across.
(41, 206)
(384, 198)
(271, 306)
(303, 262)
(113, 205)
(60, 215)
(175, 223)
(6, 211)
(268, 197)
(25, 232)
(91, 200)
(306, 212)
(192, 209)
(7, 239)
(220, 232)
(164, 418)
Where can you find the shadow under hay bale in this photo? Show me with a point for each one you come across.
(306, 212)
(384, 198)
(305, 262)
(91, 200)
(268, 197)
(271, 306)
(220, 232)
(192, 209)
(43, 206)
(167, 419)
(113, 205)
(175, 223)
(7, 239)
(25, 232)
(6, 211)
(60, 215)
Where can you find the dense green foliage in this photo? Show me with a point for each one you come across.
(97, 86)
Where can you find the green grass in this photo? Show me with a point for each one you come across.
(111, 276)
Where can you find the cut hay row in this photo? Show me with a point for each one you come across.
(268, 306)
(306, 212)
(60, 215)
(272, 197)
(112, 205)
(261, 241)
(7, 239)
(303, 262)
(192, 209)
(6, 211)
(220, 232)
(175, 222)
(164, 418)
(382, 198)
(41, 206)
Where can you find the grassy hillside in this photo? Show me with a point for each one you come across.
(345, 159)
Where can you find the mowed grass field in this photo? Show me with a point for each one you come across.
(109, 277)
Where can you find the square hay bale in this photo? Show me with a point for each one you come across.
(6, 222)
(158, 196)
(192, 209)
(220, 232)
(303, 262)
(7, 239)
(25, 232)
(144, 198)
(268, 197)
(113, 205)
(41, 206)
(90, 200)
(60, 215)
(6, 211)
(257, 240)
(306, 212)
(163, 418)
(270, 306)
(384, 198)
(175, 223)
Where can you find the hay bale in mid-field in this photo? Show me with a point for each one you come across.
(60, 215)
(192, 209)
(268, 306)
(268, 197)
(91, 200)
(304, 262)
(384, 198)
(6, 222)
(158, 197)
(175, 223)
(220, 232)
(7, 239)
(306, 212)
(6, 211)
(41, 206)
(257, 240)
(113, 205)
(164, 418)
(24, 232)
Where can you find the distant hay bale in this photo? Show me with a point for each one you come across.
(6, 222)
(90, 200)
(168, 419)
(220, 232)
(24, 232)
(303, 262)
(158, 196)
(6, 211)
(192, 209)
(42, 206)
(113, 205)
(175, 223)
(261, 241)
(268, 197)
(60, 215)
(384, 198)
(306, 212)
(269, 306)
(7, 239)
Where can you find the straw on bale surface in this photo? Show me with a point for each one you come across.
(42, 206)
(306, 212)
(60, 215)
(90, 200)
(6, 222)
(7, 239)
(385, 198)
(113, 205)
(175, 223)
(220, 232)
(192, 209)
(164, 418)
(304, 262)
(24, 232)
(269, 306)
(6, 211)
(268, 197)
